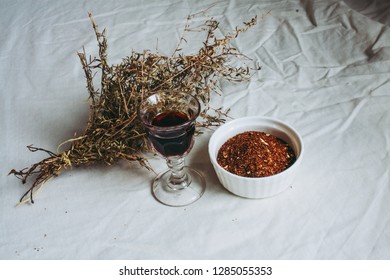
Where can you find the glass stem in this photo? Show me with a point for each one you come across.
(179, 179)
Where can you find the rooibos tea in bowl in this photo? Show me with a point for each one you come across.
(256, 157)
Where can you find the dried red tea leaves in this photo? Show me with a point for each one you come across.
(255, 154)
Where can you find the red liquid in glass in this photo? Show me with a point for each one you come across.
(171, 142)
(171, 118)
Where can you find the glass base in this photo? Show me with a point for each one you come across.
(181, 194)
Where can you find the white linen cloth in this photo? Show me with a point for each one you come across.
(325, 70)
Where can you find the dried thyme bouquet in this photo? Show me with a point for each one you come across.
(113, 131)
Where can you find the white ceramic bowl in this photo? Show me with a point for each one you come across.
(263, 186)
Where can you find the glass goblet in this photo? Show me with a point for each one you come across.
(169, 120)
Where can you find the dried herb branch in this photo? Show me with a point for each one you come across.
(113, 131)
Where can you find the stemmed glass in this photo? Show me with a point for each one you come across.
(169, 120)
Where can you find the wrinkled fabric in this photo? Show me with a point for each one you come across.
(325, 69)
